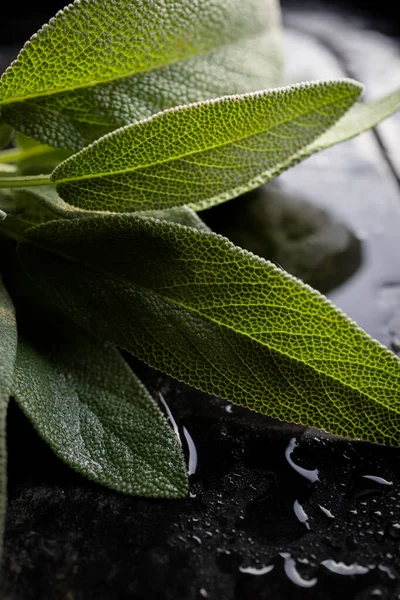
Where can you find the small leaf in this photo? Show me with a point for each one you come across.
(202, 153)
(42, 203)
(361, 117)
(193, 305)
(99, 65)
(86, 403)
(8, 347)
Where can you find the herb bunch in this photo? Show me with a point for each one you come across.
(126, 118)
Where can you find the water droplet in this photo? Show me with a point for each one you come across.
(198, 540)
(326, 512)
(387, 570)
(311, 475)
(170, 417)
(379, 480)
(192, 495)
(301, 513)
(393, 530)
(228, 408)
(3, 215)
(256, 571)
(379, 535)
(341, 568)
(292, 573)
(203, 593)
(192, 452)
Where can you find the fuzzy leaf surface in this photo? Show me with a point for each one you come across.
(8, 348)
(202, 153)
(86, 403)
(221, 319)
(99, 65)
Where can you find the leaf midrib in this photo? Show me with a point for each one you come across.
(194, 152)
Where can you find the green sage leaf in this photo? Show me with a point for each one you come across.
(86, 403)
(193, 305)
(99, 65)
(8, 347)
(202, 153)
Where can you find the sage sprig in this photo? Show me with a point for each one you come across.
(126, 118)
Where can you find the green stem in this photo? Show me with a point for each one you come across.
(28, 181)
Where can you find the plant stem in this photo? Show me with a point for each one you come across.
(28, 181)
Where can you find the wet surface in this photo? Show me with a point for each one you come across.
(274, 511)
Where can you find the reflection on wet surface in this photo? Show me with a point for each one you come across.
(300, 237)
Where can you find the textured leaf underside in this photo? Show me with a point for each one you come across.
(219, 318)
(8, 347)
(100, 65)
(95, 414)
(203, 153)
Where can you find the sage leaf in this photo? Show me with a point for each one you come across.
(202, 153)
(195, 306)
(86, 403)
(8, 347)
(99, 65)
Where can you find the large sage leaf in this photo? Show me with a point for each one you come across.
(99, 65)
(86, 403)
(192, 304)
(202, 153)
(8, 347)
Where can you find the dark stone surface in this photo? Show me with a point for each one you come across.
(68, 538)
